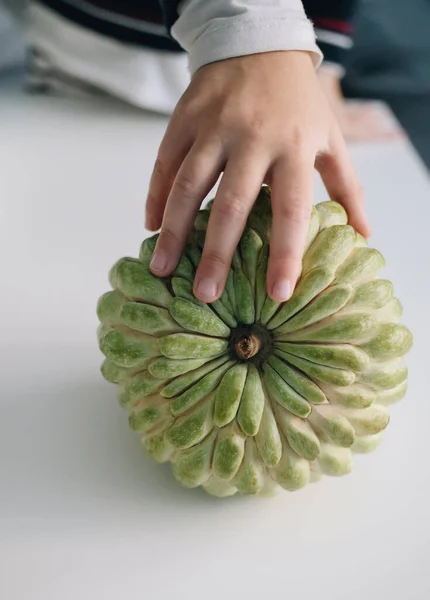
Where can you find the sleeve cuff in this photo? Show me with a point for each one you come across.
(241, 35)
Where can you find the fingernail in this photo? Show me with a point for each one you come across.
(159, 261)
(206, 288)
(282, 290)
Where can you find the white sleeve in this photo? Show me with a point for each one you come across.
(212, 30)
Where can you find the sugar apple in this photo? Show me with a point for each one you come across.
(245, 394)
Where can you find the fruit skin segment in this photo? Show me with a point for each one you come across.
(247, 395)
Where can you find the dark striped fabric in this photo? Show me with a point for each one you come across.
(333, 25)
(170, 9)
(130, 21)
(338, 11)
(147, 22)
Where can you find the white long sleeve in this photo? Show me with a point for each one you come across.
(212, 30)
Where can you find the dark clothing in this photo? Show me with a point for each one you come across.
(170, 9)
(130, 21)
(104, 17)
(334, 16)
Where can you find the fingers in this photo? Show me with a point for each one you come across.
(341, 181)
(292, 193)
(235, 197)
(172, 152)
(195, 178)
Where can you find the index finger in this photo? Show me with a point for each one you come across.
(236, 194)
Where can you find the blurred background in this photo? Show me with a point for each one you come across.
(389, 61)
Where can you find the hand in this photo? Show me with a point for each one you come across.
(258, 118)
(359, 120)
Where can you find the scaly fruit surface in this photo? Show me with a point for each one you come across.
(246, 394)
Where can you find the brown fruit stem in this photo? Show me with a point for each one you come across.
(247, 346)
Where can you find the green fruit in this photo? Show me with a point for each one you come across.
(229, 395)
(314, 226)
(244, 298)
(251, 476)
(148, 319)
(268, 437)
(330, 425)
(185, 345)
(192, 428)
(127, 348)
(334, 460)
(280, 391)
(299, 434)
(250, 395)
(136, 282)
(250, 247)
(292, 471)
(327, 303)
(251, 403)
(198, 390)
(194, 318)
(296, 379)
(309, 286)
(193, 466)
(150, 413)
(260, 282)
(331, 213)
(185, 381)
(229, 452)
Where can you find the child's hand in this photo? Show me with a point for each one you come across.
(258, 118)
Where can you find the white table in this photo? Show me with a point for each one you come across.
(83, 514)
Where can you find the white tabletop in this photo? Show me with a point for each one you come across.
(83, 514)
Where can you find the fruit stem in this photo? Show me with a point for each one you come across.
(247, 346)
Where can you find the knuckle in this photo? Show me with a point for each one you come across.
(232, 205)
(254, 136)
(214, 258)
(188, 107)
(169, 238)
(225, 117)
(185, 186)
(299, 143)
(286, 259)
(294, 210)
(295, 137)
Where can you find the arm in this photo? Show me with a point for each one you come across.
(256, 114)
